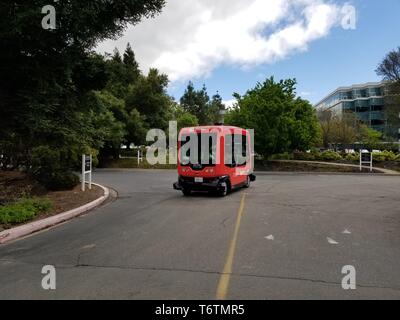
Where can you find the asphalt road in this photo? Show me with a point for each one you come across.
(287, 237)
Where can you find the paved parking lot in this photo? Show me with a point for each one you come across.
(287, 237)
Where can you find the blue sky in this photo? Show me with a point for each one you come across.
(218, 44)
(344, 57)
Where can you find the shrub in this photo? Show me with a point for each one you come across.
(303, 156)
(23, 210)
(384, 156)
(353, 157)
(378, 157)
(329, 156)
(45, 161)
(389, 155)
(62, 181)
(47, 169)
(282, 156)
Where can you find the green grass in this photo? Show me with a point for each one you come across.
(23, 210)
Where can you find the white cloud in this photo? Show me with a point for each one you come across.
(191, 38)
(229, 104)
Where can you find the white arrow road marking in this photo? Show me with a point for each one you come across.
(271, 237)
(331, 241)
(346, 232)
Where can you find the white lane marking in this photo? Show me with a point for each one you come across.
(270, 237)
(88, 247)
(331, 241)
(346, 232)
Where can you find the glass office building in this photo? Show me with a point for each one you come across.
(365, 100)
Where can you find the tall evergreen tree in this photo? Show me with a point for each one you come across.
(216, 107)
(196, 102)
(116, 57)
(132, 66)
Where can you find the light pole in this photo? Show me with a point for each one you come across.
(222, 113)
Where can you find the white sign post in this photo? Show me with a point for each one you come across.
(366, 159)
(139, 156)
(87, 161)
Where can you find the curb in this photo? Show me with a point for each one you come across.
(300, 173)
(29, 228)
(386, 172)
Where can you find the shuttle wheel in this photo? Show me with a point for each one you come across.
(225, 189)
(247, 184)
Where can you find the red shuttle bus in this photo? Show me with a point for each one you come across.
(216, 159)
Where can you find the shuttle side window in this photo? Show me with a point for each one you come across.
(236, 150)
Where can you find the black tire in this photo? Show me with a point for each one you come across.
(226, 189)
(247, 185)
(186, 192)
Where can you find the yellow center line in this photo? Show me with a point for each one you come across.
(223, 284)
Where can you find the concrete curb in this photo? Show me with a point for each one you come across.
(378, 169)
(315, 173)
(29, 228)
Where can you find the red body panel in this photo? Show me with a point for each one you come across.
(237, 175)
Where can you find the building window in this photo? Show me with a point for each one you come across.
(376, 108)
(377, 122)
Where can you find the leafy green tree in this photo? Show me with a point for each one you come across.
(282, 122)
(183, 118)
(149, 96)
(346, 129)
(137, 129)
(128, 90)
(107, 132)
(370, 137)
(47, 75)
(336, 131)
(187, 120)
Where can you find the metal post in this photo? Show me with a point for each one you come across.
(222, 113)
(138, 157)
(372, 163)
(90, 174)
(83, 173)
